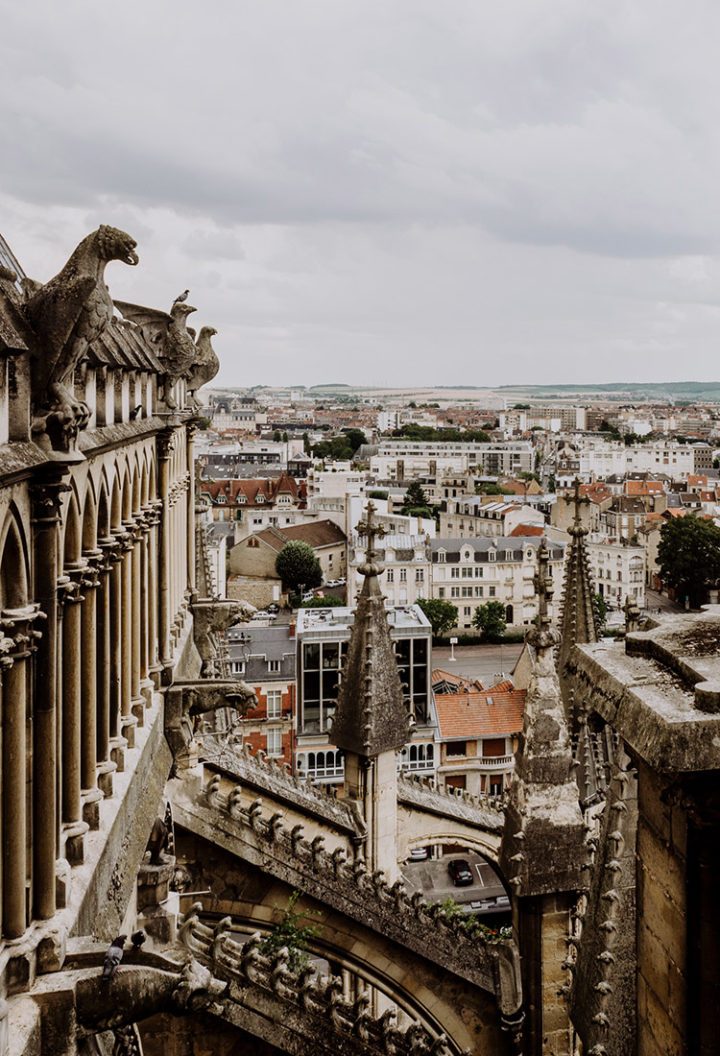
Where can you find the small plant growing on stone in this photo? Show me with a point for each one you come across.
(291, 933)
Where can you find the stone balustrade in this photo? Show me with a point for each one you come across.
(319, 998)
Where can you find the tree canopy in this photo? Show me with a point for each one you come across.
(297, 565)
(411, 431)
(490, 619)
(441, 614)
(689, 557)
(340, 448)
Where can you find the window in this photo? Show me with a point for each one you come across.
(321, 662)
(467, 592)
(491, 592)
(441, 592)
(274, 703)
(274, 741)
(478, 592)
(441, 557)
(455, 748)
(454, 592)
(274, 667)
(508, 555)
(237, 667)
(467, 610)
(419, 575)
(478, 571)
(403, 575)
(491, 555)
(390, 575)
(467, 573)
(454, 572)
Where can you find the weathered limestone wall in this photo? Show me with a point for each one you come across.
(198, 1035)
(662, 919)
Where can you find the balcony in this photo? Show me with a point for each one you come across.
(488, 763)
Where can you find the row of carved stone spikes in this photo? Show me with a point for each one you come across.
(284, 772)
(319, 996)
(336, 865)
(482, 800)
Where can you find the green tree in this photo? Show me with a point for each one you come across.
(306, 444)
(441, 614)
(355, 438)
(689, 557)
(297, 564)
(277, 436)
(490, 619)
(329, 602)
(415, 496)
(377, 493)
(292, 934)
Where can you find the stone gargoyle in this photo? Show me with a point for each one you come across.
(211, 618)
(139, 991)
(168, 333)
(59, 321)
(186, 702)
(206, 363)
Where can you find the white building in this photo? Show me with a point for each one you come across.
(471, 572)
(618, 571)
(602, 458)
(400, 459)
(470, 517)
(406, 567)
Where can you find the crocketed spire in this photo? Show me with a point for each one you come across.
(371, 715)
(542, 847)
(579, 622)
(579, 626)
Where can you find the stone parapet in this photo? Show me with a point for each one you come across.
(660, 692)
(305, 996)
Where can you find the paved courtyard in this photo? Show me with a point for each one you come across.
(432, 878)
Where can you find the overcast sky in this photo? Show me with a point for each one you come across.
(384, 191)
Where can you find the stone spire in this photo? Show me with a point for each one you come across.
(579, 627)
(371, 715)
(543, 840)
(579, 622)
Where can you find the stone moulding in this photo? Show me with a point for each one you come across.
(319, 1000)
(347, 886)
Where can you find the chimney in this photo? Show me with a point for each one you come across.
(291, 629)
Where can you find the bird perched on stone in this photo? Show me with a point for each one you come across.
(135, 412)
(113, 957)
(138, 940)
(181, 297)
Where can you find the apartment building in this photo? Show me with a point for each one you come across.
(265, 658)
(407, 569)
(407, 459)
(470, 517)
(618, 571)
(322, 637)
(471, 572)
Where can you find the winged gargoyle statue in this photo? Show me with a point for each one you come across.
(59, 321)
(206, 363)
(169, 334)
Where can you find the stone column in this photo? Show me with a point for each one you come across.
(117, 740)
(145, 605)
(17, 626)
(46, 498)
(128, 721)
(165, 446)
(74, 828)
(137, 701)
(190, 431)
(154, 603)
(105, 765)
(90, 794)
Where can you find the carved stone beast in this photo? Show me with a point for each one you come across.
(211, 619)
(187, 701)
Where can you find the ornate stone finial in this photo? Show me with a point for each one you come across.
(371, 531)
(576, 528)
(543, 636)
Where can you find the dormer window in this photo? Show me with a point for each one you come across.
(221, 499)
(442, 554)
(491, 555)
(241, 498)
(260, 499)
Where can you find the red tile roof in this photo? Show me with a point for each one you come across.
(528, 529)
(480, 714)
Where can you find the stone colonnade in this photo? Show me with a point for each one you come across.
(90, 624)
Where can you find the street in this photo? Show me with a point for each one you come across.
(432, 878)
(487, 662)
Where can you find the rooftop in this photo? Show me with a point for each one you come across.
(488, 713)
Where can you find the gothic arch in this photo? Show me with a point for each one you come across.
(89, 520)
(116, 504)
(14, 576)
(72, 541)
(126, 496)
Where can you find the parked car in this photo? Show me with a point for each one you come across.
(419, 854)
(460, 872)
(273, 608)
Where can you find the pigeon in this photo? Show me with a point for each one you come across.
(113, 957)
(135, 412)
(137, 939)
(181, 297)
